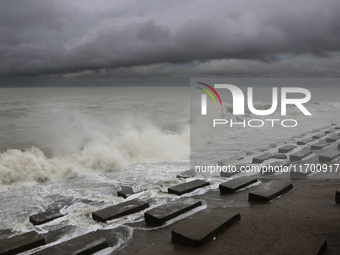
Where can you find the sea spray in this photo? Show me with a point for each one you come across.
(143, 143)
(28, 165)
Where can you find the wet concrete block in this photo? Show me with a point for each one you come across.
(269, 191)
(299, 173)
(328, 155)
(21, 243)
(317, 136)
(260, 158)
(183, 176)
(204, 227)
(337, 127)
(320, 145)
(120, 210)
(331, 130)
(279, 156)
(337, 196)
(187, 187)
(323, 248)
(187, 174)
(221, 162)
(85, 244)
(286, 148)
(161, 214)
(235, 185)
(273, 168)
(302, 169)
(332, 138)
(126, 191)
(272, 145)
(44, 217)
(299, 155)
(304, 141)
(228, 174)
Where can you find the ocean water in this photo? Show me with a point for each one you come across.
(71, 148)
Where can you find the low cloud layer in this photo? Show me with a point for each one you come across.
(78, 40)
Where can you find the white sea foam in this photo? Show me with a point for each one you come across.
(28, 165)
(132, 144)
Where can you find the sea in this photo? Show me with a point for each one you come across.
(72, 148)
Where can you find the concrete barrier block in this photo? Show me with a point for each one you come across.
(332, 138)
(304, 141)
(286, 148)
(161, 214)
(183, 188)
(235, 185)
(229, 173)
(329, 155)
(204, 228)
(120, 210)
(260, 158)
(126, 191)
(186, 174)
(318, 136)
(269, 191)
(21, 243)
(44, 217)
(279, 156)
(85, 245)
(331, 130)
(323, 248)
(299, 155)
(320, 145)
(298, 173)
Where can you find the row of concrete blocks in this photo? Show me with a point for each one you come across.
(325, 156)
(158, 215)
(165, 212)
(187, 234)
(270, 190)
(195, 232)
(89, 243)
(294, 172)
(125, 191)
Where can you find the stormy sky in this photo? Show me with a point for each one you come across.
(104, 42)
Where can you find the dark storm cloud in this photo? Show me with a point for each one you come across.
(109, 38)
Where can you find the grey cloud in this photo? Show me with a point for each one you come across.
(306, 65)
(107, 38)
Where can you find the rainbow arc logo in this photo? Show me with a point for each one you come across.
(204, 97)
(208, 92)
